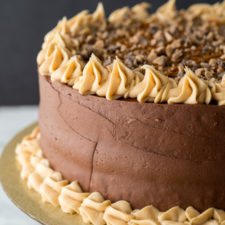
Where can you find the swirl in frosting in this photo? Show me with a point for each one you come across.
(190, 90)
(59, 60)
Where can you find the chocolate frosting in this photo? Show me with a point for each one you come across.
(145, 153)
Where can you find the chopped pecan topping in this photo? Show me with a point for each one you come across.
(185, 39)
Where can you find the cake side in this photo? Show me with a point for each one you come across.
(158, 150)
(92, 207)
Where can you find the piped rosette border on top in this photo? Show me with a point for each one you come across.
(58, 60)
(92, 207)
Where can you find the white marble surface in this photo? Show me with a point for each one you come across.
(12, 120)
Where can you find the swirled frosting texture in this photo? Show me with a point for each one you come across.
(190, 90)
(58, 60)
(93, 208)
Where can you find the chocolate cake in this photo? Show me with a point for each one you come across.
(158, 154)
(133, 106)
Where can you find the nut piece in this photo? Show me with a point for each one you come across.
(177, 55)
(161, 61)
(99, 44)
(152, 56)
(168, 36)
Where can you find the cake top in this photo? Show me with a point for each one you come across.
(173, 56)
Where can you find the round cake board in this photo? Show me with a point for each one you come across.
(28, 200)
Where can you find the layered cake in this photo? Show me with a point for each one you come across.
(132, 116)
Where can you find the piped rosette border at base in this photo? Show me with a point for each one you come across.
(92, 207)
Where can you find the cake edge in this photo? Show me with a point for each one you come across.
(55, 60)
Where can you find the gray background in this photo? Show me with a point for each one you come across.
(23, 25)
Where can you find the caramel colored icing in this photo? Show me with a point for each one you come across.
(218, 91)
(190, 90)
(92, 207)
(59, 60)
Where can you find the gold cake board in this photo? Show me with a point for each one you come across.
(28, 200)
